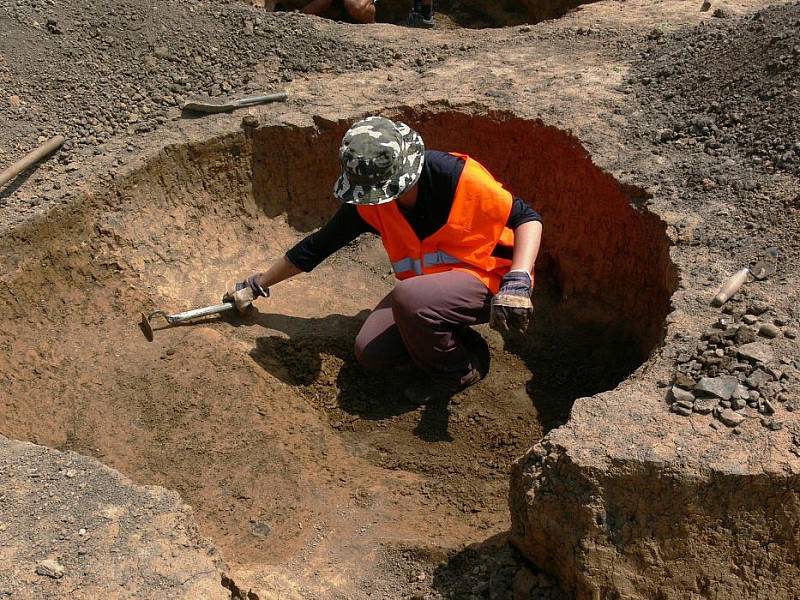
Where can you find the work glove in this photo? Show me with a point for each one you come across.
(244, 292)
(511, 306)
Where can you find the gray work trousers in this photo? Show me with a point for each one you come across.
(419, 319)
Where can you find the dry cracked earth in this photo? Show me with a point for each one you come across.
(638, 443)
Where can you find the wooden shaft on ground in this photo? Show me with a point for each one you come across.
(730, 287)
(31, 158)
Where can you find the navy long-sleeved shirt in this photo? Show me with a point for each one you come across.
(436, 190)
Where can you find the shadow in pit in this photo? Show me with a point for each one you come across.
(299, 361)
(573, 349)
(491, 569)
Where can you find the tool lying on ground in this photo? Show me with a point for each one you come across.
(206, 107)
(31, 158)
(759, 271)
(182, 317)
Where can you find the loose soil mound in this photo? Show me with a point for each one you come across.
(730, 87)
(287, 451)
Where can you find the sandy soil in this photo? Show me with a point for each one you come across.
(314, 479)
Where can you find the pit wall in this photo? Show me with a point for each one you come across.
(604, 256)
(108, 238)
(633, 530)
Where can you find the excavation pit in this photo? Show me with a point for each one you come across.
(475, 14)
(266, 426)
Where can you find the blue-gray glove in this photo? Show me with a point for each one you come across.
(511, 306)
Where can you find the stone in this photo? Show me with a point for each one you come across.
(769, 408)
(681, 410)
(757, 307)
(750, 319)
(14, 101)
(772, 424)
(756, 352)
(738, 403)
(722, 387)
(50, 568)
(757, 379)
(249, 121)
(685, 381)
(741, 392)
(769, 330)
(745, 335)
(681, 395)
(704, 406)
(730, 418)
(790, 333)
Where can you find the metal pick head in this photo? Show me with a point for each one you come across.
(147, 329)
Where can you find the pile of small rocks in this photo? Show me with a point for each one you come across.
(733, 372)
(729, 86)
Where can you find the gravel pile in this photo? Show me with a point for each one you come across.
(735, 371)
(729, 87)
(94, 69)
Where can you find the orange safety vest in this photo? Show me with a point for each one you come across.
(476, 225)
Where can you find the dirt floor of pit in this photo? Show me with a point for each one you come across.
(290, 454)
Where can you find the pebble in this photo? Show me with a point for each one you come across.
(756, 352)
(772, 424)
(745, 335)
(790, 333)
(50, 568)
(249, 121)
(749, 319)
(757, 379)
(681, 410)
(769, 330)
(722, 387)
(730, 418)
(685, 381)
(757, 307)
(704, 406)
(14, 101)
(682, 396)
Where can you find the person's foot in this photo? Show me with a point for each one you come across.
(434, 391)
(416, 19)
(478, 349)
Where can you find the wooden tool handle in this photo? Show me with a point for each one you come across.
(253, 100)
(31, 158)
(730, 287)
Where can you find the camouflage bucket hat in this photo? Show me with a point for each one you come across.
(380, 159)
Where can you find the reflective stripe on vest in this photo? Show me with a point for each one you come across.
(475, 226)
(405, 265)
